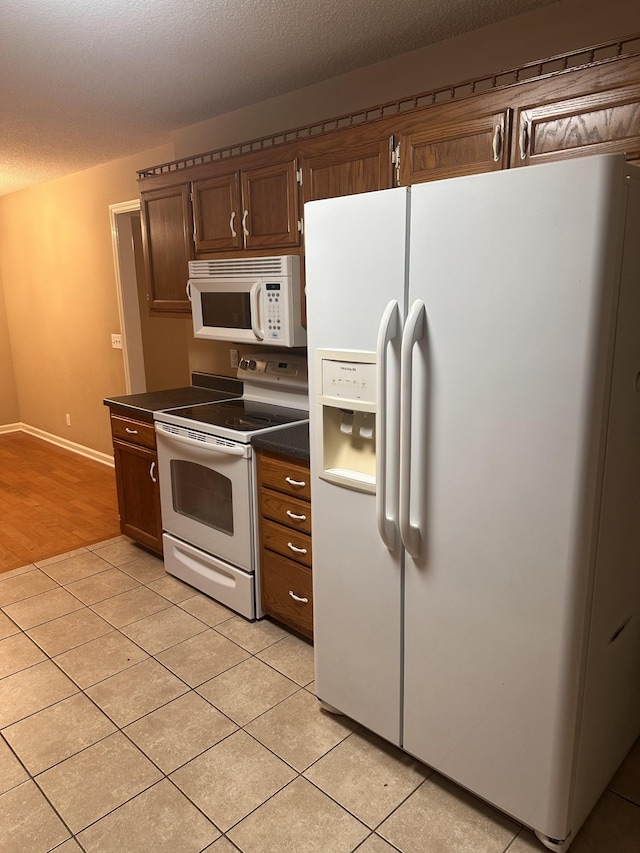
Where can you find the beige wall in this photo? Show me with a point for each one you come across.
(165, 340)
(9, 411)
(57, 271)
(56, 263)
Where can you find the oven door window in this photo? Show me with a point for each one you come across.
(226, 310)
(202, 494)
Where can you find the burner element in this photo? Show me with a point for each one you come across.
(247, 421)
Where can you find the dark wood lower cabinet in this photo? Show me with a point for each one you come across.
(285, 542)
(137, 484)
(287, 592)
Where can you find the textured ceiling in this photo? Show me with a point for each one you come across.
(83, 82)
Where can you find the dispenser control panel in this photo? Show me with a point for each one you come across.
(349, 380)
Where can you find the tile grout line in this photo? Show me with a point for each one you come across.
(191, 689)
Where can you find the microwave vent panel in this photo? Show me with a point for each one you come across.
(243, 267)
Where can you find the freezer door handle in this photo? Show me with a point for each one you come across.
(387, 524)
(414, 330)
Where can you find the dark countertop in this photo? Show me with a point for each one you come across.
(206, 389)
(291, 441)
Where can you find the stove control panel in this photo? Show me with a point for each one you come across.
(275, 369)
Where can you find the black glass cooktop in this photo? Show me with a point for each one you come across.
(241, 415)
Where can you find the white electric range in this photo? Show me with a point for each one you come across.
(207, 478)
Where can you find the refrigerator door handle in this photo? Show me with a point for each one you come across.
(414, 331)
(387, 524)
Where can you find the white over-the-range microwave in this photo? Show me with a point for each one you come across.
(247, 300)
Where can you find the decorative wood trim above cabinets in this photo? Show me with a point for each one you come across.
(247, 199)
(600, 55)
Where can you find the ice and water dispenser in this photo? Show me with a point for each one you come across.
(346, 400)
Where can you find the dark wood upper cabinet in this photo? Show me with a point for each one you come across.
(216, 208)
(451, 145)
(270, 206)
(347, 168)
(253, 208)
(597, 123)
(167, 243)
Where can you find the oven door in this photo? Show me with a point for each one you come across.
(206, 493)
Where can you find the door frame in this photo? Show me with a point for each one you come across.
(120, 217)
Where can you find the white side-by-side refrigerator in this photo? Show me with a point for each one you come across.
(474, 365)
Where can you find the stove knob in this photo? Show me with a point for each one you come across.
(244, 364)
(252, 364)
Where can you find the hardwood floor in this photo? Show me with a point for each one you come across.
(51, 501)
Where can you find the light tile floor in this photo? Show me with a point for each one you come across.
(139, 716)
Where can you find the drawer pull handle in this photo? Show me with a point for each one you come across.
(296, 550)
(299, 484)
(131, 431)
(296, 517)
(298, 598)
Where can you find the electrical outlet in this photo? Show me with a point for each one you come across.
(68, 417)
(234, 357)
(116, 341)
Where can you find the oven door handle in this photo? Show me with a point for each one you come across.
(203, 447)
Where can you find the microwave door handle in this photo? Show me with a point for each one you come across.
(254, 306)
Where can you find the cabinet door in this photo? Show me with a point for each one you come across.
(168, 246)
(600, 123)
(216, 213)
(287, 592)
(449, 149)
(138, 494)
(359, 168)
(270, 206)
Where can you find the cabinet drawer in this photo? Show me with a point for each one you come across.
(287, 592)
(291, 543)
(285, 476)
(287, 510)
(137, 432)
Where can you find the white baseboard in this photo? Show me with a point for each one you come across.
(80, 449)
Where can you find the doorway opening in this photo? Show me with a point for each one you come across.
(155, 349)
